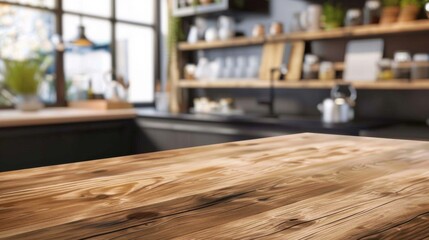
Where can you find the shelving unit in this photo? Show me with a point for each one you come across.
(310, 84)
(303, 38)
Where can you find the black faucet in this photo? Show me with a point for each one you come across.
(272, 91)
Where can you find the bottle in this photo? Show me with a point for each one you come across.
(90, 91)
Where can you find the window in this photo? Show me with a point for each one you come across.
(137, 39)
(21, 31)
(124, 34)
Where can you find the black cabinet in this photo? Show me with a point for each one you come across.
(159, 131)
(165, 134)
(36, 146)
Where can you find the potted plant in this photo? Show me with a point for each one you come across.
(409, 10)
(390, 11)
(333, 15)
(23, 78)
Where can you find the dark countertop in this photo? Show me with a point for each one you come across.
(402, 131)
(297, 123)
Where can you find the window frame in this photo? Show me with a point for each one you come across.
(59, 12)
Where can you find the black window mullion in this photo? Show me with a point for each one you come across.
(60, 84)
(157, 36)
(113, 39)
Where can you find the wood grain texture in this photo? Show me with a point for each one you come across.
(305, 186)
(15, 118)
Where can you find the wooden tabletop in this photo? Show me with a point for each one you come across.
(48, 116)
(303, 186)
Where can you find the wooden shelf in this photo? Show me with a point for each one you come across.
(358, 31)
(254, 84)
(350, 32)
(313, 84)
(235, 42)
(394, 85)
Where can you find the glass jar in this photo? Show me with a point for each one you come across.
(420, 66)
(401, 65)
(353, 17)
(309, 69)
(327, 71)
(385, 69)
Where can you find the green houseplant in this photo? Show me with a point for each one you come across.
(23, 78)
(333, 15)
(390, 11)
(409, 10)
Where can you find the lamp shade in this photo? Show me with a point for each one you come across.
(82, 40)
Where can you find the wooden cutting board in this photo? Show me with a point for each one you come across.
(100, 104)
(272, 57)
(296, 59)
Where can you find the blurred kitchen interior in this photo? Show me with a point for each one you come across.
(83, 80)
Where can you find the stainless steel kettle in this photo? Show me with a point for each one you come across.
(339, 108)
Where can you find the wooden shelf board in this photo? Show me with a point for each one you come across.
(224, 83)
(348, 32)
(358, 31)
(313, 84)
(235, 42)
(394, 85)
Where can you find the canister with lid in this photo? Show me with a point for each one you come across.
(327, 71)
(401, 65)
(309, 68)
(420, 66)
(385, 69)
